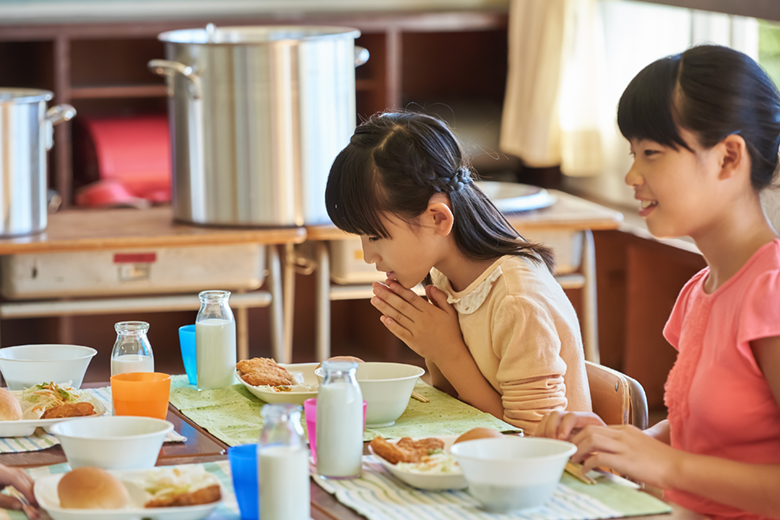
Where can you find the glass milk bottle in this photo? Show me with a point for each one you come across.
(339, 422)
(215, 339)
(283, 465)
(132, 351)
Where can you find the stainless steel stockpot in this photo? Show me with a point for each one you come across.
(26, 134)
(257, 115)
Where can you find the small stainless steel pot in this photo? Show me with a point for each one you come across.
(26, 134)
(257, 115)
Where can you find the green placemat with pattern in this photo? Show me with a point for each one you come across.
(232, 414)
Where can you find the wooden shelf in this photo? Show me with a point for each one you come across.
(118, 91)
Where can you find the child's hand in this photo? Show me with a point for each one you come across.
(424, 326)
(629, 451)
(564, 425)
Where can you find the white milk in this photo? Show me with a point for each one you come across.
(131, 363)
(216, 352)
(339, 430)
(283, 479)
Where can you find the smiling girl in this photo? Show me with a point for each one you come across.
(704, 128)
(496, 329)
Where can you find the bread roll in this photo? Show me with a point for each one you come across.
(10, 409)
(92, 488)
(478, 433)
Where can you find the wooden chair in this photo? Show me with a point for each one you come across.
(617, 398)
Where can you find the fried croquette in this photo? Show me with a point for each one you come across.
(204, 495)
(263, 371)
(69, 410)
(406, 449)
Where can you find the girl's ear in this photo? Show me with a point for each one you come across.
(734, 158)
(439, 215)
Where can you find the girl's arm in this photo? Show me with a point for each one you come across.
(751, 487)
(438, 380)
(432, 331)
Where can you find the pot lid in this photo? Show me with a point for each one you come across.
(24, 95)
(257, 35)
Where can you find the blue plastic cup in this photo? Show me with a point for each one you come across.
(189, 352)
(243, 467)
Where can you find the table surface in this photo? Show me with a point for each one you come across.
(201, 447)
(100, 229)
(568, 213)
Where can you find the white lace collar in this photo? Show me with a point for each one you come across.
(471, 298)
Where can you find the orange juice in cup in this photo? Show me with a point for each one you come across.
(141, 393)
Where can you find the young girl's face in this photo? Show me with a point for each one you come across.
(677, 189)
(407, 256)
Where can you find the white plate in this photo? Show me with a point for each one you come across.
(427, 481)
(26, 427)
(46, 494)
(510, 197)
(269, 395)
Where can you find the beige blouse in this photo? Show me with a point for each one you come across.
(524, 336)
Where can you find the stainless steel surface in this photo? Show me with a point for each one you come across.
(26, 134)
(257, 116)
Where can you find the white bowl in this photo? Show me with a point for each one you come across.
(28, 365)
(116, 442)
(386, 389)
(514, 472)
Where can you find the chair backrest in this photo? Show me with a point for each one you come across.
(617, 398)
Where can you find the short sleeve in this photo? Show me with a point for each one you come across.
(760, 309)
(530, 370)
(673, 326)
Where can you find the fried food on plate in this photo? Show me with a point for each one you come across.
(264, 371)
(198, 497)
(406, 449)
(69, 410)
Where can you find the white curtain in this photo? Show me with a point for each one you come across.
(569, 62)
(551, 108)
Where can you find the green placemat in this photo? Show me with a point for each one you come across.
(232, 414)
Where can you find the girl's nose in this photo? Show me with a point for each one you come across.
(633, 178)
(369, 255)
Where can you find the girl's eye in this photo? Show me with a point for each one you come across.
(373, 239)
(648, 153)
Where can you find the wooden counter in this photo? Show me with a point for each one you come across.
(100, 229)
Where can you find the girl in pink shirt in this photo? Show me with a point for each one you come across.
(704, 128)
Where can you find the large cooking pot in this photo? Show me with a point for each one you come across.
(26, 134)
(257, 115)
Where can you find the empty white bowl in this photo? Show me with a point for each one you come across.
(116, 442)
(513, 472)
(386, 388)
(28, 365)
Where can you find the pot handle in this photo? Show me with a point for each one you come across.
(361, 56)
(169, 69)
(54, 116)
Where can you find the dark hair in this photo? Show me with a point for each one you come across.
(394, 163)
(712, 91)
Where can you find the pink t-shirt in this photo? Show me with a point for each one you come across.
(719, 401)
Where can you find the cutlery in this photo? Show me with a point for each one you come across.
(420, 397)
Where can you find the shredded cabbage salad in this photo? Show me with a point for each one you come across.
(39, 398)
(166, 482)
(435, 463)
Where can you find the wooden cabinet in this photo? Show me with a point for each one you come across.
(417, 60)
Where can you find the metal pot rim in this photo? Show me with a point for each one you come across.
(24, 95)
(257, 34)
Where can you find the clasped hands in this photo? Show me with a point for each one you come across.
(425, 326)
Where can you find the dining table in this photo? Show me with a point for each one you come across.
(201, 446)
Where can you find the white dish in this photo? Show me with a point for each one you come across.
(26, 427)
(427, 481)
(511, 197)
(301, 372)
(112, 442)
(46, 495)
(27, 365)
